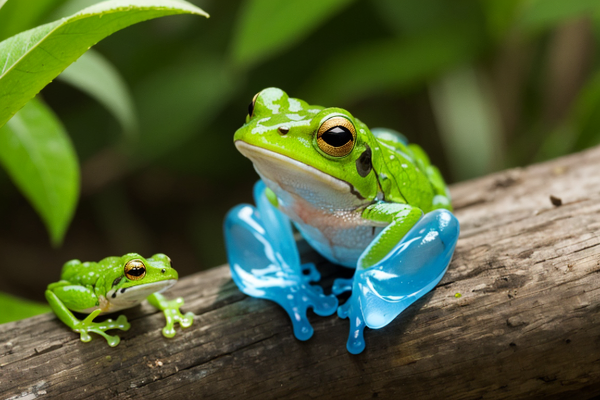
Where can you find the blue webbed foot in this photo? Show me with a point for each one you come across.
(413, 267)
(265, 263)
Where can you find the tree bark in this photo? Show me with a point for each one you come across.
(517, 315)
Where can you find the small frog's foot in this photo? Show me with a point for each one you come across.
(87, 325)
(341, 285)
(174, 316)
(265, 263)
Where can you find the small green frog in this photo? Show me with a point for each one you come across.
(114, 284)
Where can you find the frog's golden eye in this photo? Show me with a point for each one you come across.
(251, 105)
(336, 136)
(135, 269)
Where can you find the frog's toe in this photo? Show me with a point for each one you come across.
(341, 285)
(168, 331)
(187, 320)
(112, 340)
(122, 323)
(83, 335)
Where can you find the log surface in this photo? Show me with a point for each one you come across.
(517, 315)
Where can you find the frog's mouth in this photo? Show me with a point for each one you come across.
(294, 176)
(119, 299)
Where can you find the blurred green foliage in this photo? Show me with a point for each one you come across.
(14, 308)
(482, 85)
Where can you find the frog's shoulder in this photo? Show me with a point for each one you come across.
(396, 141)
(428, 189)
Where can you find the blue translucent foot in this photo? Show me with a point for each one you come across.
(341, 285)
(265, 263)
(413, 267)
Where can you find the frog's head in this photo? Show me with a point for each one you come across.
(309, 151)
(134, 278)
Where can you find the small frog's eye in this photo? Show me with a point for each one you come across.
(135, 269)
(251, 105)
(336, 136)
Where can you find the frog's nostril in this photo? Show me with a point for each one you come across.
(283, 130)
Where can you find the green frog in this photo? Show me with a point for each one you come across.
(114, 284)
(352, 193)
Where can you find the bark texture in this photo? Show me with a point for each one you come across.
(517, 315)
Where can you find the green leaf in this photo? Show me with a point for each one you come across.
(266, 27)
(2, 3)
(70, 7)
(97, 77)
(538, 15)
(39, 158)
(20, 15)
(392, 65)
(14, 308)
(30, 60)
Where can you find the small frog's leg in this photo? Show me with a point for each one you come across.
(400, 217)
(172, 314)
(86, 298)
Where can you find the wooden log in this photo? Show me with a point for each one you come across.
(517, 315)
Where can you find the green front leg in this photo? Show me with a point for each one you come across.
(400, 217)
(172, 313)
(87, 325)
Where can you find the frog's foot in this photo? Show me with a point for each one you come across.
(87, 325)
(341, 285)
(311, 274)
(411, 269)
(173, 316)
(356, 338)
(265, 263)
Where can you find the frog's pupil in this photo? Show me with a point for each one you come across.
(136, 271)
(251, 108)
(337, 136)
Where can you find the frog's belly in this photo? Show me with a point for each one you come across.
(340, 246)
